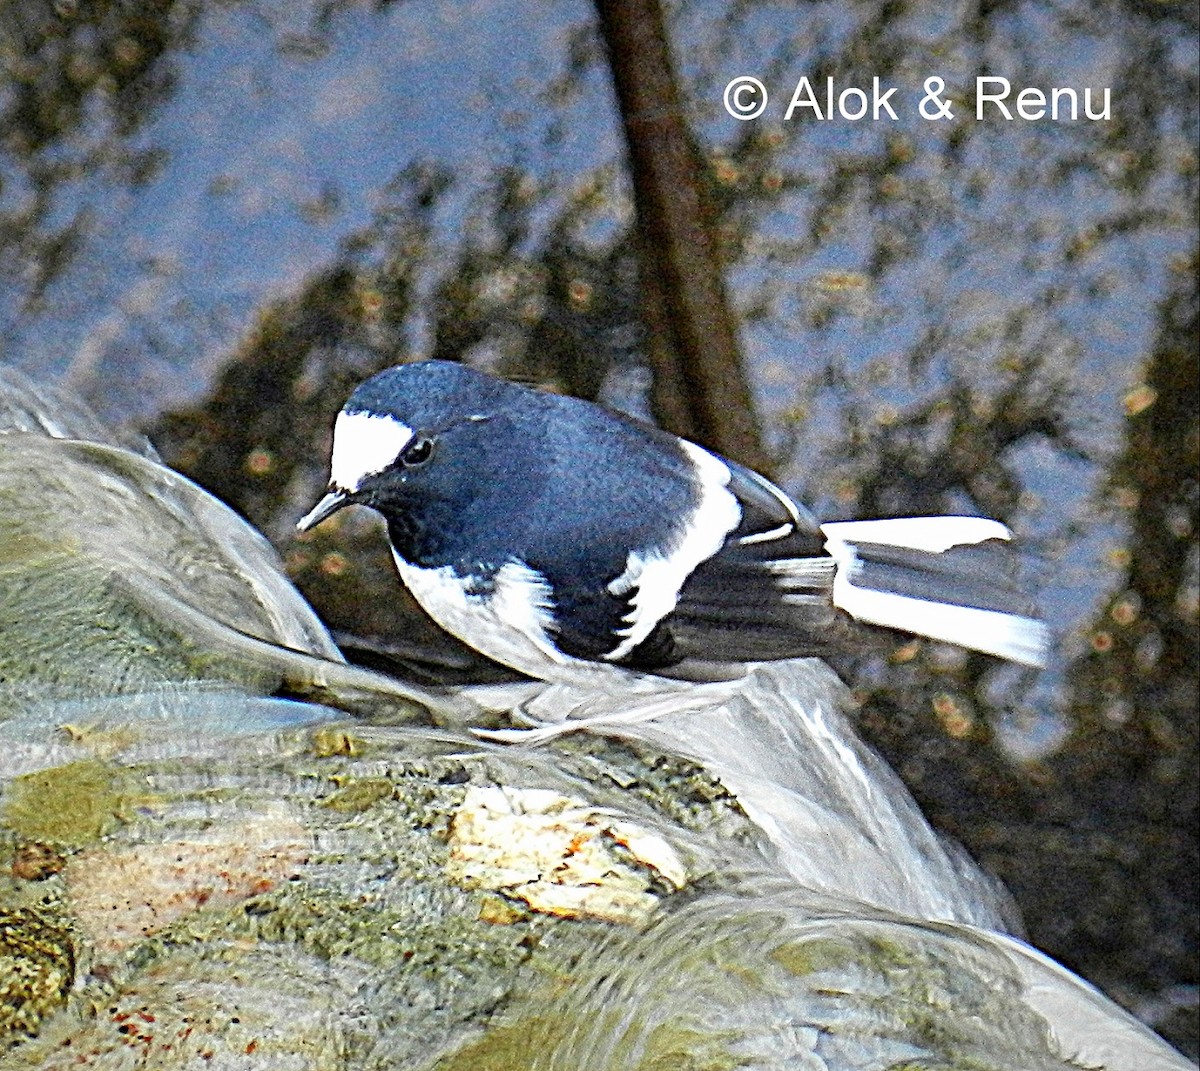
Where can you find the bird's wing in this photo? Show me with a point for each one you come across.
(775, 586)
(771, 583)
(766, 593)
(712, 592)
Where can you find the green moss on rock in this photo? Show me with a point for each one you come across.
(37, 967)
(73, 804)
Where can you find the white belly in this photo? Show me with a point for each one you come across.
(510, 624)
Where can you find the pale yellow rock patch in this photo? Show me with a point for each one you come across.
(560, 855)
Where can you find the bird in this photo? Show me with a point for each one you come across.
(557, 537)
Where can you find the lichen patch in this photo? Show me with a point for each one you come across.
(560, 855)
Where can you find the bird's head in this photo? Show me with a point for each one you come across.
(413, 437)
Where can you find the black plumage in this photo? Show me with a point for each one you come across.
(546, 531)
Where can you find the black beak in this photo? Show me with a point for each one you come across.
(327, 507)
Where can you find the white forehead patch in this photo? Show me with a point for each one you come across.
(363, 444)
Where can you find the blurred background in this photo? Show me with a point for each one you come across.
(217, 216)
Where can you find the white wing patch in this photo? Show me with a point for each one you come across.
(509, 624)
(655, 576)
(364, 444)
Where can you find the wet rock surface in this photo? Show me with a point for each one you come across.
(196, 872)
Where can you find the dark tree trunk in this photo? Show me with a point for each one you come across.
(700, 385)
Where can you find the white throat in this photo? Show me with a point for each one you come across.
(364, 444)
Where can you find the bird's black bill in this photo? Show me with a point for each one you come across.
(327, 507)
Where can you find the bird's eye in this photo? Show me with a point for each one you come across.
(417, 452)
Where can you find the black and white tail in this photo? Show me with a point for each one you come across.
(945, 578)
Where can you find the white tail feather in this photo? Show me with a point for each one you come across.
(1007, 635)
(934, 534)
